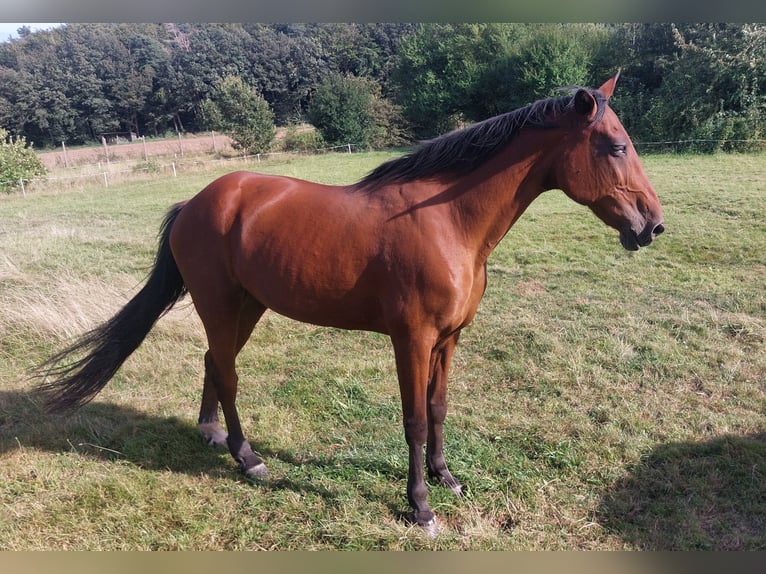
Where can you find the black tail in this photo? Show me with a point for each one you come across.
(73, 384)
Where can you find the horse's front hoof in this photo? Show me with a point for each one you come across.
(257, 471)
(426, 522)
(430, 528)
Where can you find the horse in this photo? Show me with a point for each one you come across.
(402, 252)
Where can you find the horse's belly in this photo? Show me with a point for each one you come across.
(321, 294)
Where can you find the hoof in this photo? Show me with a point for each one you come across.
(426, 522)
(430, 528)
(257, 471)
(213, 434)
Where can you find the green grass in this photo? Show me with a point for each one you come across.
(601, 399)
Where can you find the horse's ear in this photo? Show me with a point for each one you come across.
(608, 87)
(585, 104)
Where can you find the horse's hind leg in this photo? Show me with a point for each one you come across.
(208, 423)
(229, 318)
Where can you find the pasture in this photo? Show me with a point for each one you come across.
(600, 400)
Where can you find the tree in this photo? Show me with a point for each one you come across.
(286, 65)
(434, 74)
(439, 72)
(238, 109)
(17, 161)
(542, 59)
(714, 89)
(75, 82)
(349, 109)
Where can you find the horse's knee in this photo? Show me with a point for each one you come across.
(438, 412)
(415, 431)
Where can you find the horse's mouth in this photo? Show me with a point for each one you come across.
(633, 241)
(629, 240)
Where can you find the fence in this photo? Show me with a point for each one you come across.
(106, 172)
(702, 145)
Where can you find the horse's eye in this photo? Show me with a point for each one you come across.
(619, 149)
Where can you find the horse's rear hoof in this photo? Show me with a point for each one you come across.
(213, 434)
(257, 471)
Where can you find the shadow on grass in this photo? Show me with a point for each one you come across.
(112, 432)
(693, 496)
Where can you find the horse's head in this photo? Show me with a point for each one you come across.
(598, 167)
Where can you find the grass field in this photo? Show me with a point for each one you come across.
(600, 400)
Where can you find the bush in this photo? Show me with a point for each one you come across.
(302, 141)
(391, 129)
(239, 110)
(17, 161)
(350, 110)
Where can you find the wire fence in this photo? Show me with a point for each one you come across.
(108, 172)
(703, 145)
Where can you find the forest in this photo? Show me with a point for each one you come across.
(699, 83)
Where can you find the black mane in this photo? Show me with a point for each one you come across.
(461, 151)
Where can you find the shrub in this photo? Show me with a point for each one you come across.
(391, 128)
(17, 161)
(350, 110)
(239, 110)
(302, 141)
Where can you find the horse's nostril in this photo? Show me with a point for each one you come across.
(659, 229)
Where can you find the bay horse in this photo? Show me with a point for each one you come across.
(402, 252)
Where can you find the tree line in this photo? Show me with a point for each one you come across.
(383, 83)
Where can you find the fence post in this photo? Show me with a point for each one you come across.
(106, 180)
(349, 148)
(174, 169)
(106, 150)
(66, 160)
(23, 191)
(146, 155)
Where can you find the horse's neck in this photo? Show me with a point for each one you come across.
(497, 194)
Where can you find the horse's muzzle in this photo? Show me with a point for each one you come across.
(633, 241)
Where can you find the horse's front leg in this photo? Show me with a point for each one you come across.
(437, 412)
(412, 365)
